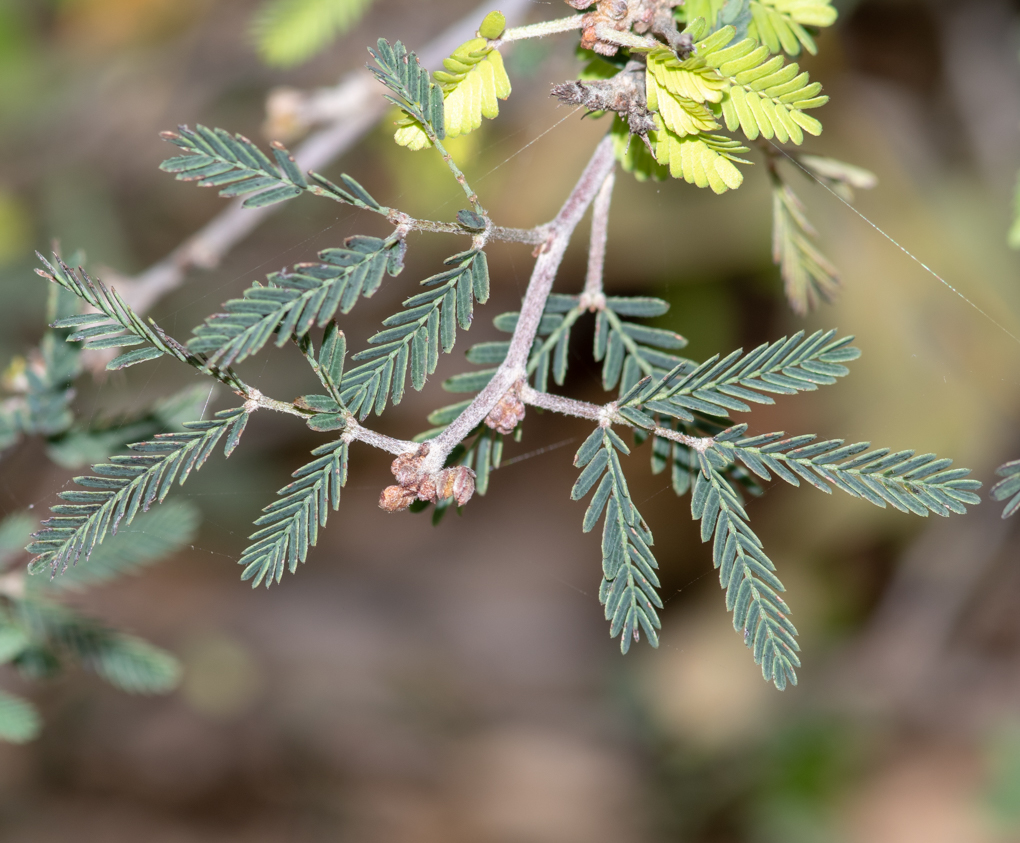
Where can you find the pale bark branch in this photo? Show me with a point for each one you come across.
(513, 368)
(593, 295)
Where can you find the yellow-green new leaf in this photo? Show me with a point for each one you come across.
(779, 24)
(765, 96)
(410, 134)
(691, 79)
(476, 95)
(682, 115)
(704, 160)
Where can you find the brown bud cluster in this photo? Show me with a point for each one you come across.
(413, 484)
(643, 16)
(508, 412)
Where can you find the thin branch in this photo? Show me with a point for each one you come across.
(358, 107)
(533, 236)
(626, 38)
(540, 30)
(604, 414)
(566, 406)
(512, 369)
(593, 295)
(354, 432)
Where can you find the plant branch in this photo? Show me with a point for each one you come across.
(534, 236)
(539, 30)
(605, 415)
(513, 367)
(593, 297)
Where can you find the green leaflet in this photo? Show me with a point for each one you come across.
(293, 302)
(152, 536)
(289, 32)
(412, 339)
(909, 482)
(418, 96)
(748, 576)
(718, 387)
(629, 582)
(290, 525)
(120, 489)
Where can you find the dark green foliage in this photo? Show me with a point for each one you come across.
(55, 633)
(19, 721)
(1008, 487)
(83, 445)
(629, 582)
(43, 403)
(233, 163)
(291, 303)
(417, 95)
(747, 574)
(718, 387)
(919, 484)
(127, 485)
(413, 338)
(152, 536)
(630, 351)
(291, 524)
(115, 326)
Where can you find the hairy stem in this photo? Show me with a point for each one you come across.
(593, 295)
(354, 432)
(512, 369)
(604, 414)
(534, 236)
(539, 30)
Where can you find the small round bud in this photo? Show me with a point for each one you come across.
(396, 498)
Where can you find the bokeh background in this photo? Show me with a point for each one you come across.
(457, 683)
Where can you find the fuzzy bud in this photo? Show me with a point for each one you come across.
(507, 413)
(396, 498)
(457, 483)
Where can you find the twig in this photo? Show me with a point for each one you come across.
(540, 30)
(593, 297)
(512, 369)
(534, 236)
(358, 107)
(604, 414)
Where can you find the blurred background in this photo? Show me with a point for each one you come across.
(457, 683)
